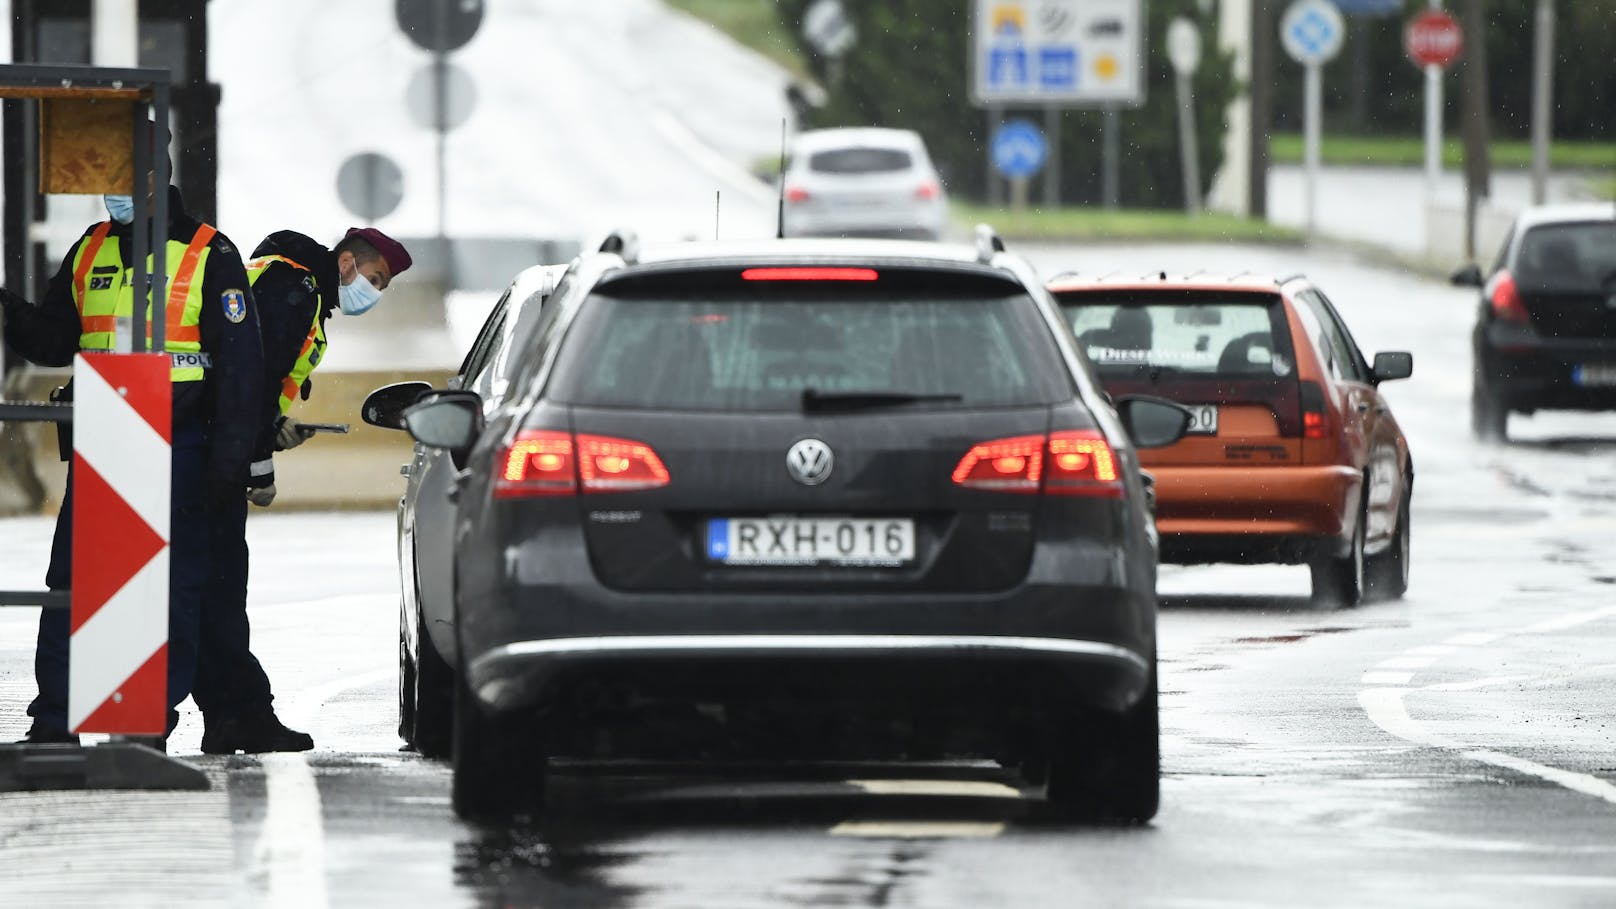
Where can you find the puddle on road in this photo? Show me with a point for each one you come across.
(1294, 637)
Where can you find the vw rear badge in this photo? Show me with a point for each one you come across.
(810, 461)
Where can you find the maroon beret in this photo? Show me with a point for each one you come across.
(398, 258)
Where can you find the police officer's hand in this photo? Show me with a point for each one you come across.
(261, 495)
(289, 433)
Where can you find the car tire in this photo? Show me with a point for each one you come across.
(1489, 418)
(1388, 572)
(1338, 583)
(406, 690)
(434, 701)
(1120, 784)
(499, 766)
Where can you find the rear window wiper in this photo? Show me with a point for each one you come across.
(813, 399)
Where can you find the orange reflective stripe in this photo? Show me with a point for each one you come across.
(87, 254)
(181, 288)
(264, 262)
(92, 324)
(290, 389)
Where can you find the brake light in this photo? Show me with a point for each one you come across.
(1081, 463)
(928, 190)
(606, 464)
(549, 463)
(1003, 465)
(1068, 463)
(809, 274)
(538, 463)
(796, 194)
(1505, 298)
(1312, 411)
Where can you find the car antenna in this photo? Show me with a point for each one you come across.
(780, 210)
(718, 206)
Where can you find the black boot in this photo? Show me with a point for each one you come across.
(40, 734)
(252, 734)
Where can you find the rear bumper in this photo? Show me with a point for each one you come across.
(519, 674)
(1526, 372)
(1255, 515)
(925, 220)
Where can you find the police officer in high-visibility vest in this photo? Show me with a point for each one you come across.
(213, 340)
(297, 284)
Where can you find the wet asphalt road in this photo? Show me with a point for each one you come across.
(1456, 748)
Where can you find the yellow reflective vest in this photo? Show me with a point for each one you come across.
(313, 349)
(105, 299)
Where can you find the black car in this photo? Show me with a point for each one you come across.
(809, 499)
(1545, 335)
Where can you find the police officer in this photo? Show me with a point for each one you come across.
(212, 336)
(297, 284)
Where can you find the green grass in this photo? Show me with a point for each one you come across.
(753, 24)
(1087, 224)
(1603, 189)
(1409, 151)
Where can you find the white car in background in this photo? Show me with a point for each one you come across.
(860, 182)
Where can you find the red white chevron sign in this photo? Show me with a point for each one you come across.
(118, 658)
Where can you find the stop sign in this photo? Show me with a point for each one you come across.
(1433, 38)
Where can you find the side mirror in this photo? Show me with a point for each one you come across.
(1393, 364)
(1153, 422)
(1468, 276)
(385, 406)
(448, 420)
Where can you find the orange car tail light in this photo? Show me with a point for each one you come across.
(1313, 412)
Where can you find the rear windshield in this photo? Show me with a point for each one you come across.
(1192, 336)
(760, 350)
(859, 161)
(1570, 256)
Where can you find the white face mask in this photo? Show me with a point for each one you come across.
(357, 296)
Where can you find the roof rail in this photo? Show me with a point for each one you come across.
(988, 242)
(1297, 276)
(624, 242)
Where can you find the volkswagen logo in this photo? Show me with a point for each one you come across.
(809, 462)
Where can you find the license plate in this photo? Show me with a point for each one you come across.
(811, 541)
(1594, 375)
(1203, 419)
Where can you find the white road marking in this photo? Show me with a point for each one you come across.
(1436, 650)
(1385, 707)
(918, 830)
(1476, 683)
(1407, 662)
(1570, 621)
(1473, 639)
(291, 846)
(1387, 678)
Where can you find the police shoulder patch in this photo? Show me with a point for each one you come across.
(235, 304)
(308, 283)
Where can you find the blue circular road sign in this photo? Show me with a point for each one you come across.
(1018, 149)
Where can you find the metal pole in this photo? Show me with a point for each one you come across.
(140, 239)
(114, 32)
(1188, 144)
(1433, 129)
(1542, 99)
(1052, 169)
(995, 190)
(440, 116)
(1110, 158)
(1311, 115)
(160, 179)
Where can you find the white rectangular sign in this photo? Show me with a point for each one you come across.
(1073, 53)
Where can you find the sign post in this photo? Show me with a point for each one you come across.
(1054, 54)
(1433, 41)
(1019, 151)
(1312, 32)
(1184, 53)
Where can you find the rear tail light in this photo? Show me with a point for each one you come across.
(1312, 411)
(1505, 298)
(796, 194)
(928, 190)
(549, 463)
(1069, 463)
(1081, 464)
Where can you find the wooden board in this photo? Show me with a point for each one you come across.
(86, 145)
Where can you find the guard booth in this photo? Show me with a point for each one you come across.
(117, 670)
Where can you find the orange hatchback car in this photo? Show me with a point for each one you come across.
(1293, 456)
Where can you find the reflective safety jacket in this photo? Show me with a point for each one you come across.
(105, 298)
(312, 350)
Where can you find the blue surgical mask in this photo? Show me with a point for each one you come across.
(121, 208)
(357, 296)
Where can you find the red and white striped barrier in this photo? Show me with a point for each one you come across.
(122, 438)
